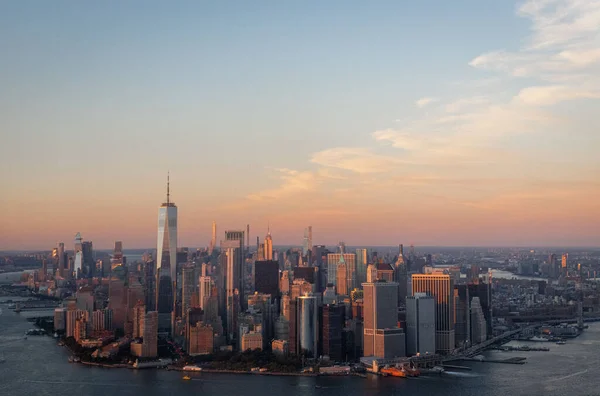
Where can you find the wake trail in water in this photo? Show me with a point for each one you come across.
(569, 376)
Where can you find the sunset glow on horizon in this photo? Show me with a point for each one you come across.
(479, 129)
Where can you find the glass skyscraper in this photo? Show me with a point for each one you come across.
(166, 261)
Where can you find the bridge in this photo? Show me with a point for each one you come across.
(476, 349)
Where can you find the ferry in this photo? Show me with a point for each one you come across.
(561, 342)
(192, 368)
(394, 372)
(186, 378)
(538, 339)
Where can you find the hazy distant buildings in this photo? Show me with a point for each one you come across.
(441, 288)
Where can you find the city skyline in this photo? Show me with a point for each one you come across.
(477, 131)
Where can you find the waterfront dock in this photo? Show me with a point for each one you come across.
(513, 360)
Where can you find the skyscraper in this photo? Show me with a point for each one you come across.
(78, 252)
(308, 325)
(268, 246)
(333, 259)
(189, 287)
(88, 263)
(342, 277)
(206, 285)
(333, 324)
(213, 239)
(361, 266)
(166, 261)
(441, 288)
(401, 276)
(266, 277)
(420, 324)
(61, 259)
(381, 336)
(478, 324)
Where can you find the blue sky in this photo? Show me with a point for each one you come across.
(256, 106)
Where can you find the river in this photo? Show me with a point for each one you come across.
(37, 366)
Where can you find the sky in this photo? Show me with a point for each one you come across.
(470, 123)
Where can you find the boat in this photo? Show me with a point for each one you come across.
(561, 342)
(411, 372)
(186, 378)
(438, 369)
(394, 372)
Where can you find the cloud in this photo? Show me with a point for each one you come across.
(355, 159)
(552, 94)
(425, 101)
(291, 182)
(461, 104)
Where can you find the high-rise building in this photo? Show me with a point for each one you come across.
(361, 266)
(213, 239)
(483, 290)
(333, 259)
(206, 285)
(381, 336)
(462, 325)
(139, 317)
(268, 246)
(293, 319)
(401, 276)
(266, 277)
(78, 255)
(150, 284)
(234, 244)
(61, 259)
(60, 319)
(166, 262)
(342, 277)
(308, 326)
(88, 262)
(150, 335)
(478, 323)
(117, 301)
(441, 288)
(189, 287)
(420, 324)
(201, 339)
(333, 324)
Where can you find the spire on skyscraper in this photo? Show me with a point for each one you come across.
(168, 192)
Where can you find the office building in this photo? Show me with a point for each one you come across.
(188, 280)
(342, 272)
(462, 325)
(483, 290)
(420, 324)
(206, 284)
(381, 338)
(78, 255)
(478, 323)
(266, 277)
(332, 332)
(88, 262)
(441, 288)
(166, 262)
(60, 318)
(201, 339)
(139, 317)
(361, 266)
(333, 259)
(213, 239)
(401, 276)
(150, 284)
(61, 257)
(252, 340)
(268, 250)
(280, 348)
(308, 325)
